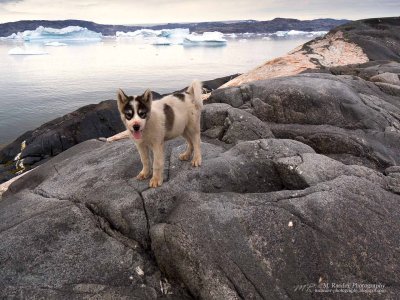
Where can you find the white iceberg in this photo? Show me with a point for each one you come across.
(248, 34)
(55, 44)
(156, 37)
(231, 35)
(297, 33)
(162, 41)
(26, 51)
(176, 36)
(209, 38)
(48, 34)
(10, 37)
(317, 33)
(141, 33)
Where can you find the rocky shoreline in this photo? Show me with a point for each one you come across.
(300, 186)
(350, 44)
(91, 121)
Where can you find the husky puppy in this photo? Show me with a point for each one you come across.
(150, 123)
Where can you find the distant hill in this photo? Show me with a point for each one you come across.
(278, 24)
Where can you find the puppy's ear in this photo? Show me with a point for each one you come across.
(122, 99)
(147, 96)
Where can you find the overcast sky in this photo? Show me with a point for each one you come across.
(161, 11)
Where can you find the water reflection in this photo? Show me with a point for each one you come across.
(38, 88)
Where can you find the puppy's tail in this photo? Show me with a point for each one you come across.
(195, 90)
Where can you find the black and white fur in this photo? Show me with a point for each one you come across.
(151, 123)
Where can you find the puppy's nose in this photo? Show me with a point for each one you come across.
(136, 127)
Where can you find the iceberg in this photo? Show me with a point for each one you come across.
(318, 33)
(48, 34)
(55, 44)
(156, 37)
(207, 38)
(10, 37)
(141, 33)
(26, 51)
(175, 33)
(176, 36)
(162, 41)
(295, 33)
(231, 35)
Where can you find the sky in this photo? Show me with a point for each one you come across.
(163, 11)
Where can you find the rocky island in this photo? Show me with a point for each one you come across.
(299, 189)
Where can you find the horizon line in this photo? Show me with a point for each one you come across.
(187, 22)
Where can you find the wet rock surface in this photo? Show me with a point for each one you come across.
(253, 222)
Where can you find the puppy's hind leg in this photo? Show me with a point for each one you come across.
(189, 149)
(144, 156)
(158, 165)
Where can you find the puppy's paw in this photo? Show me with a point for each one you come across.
(196, 162)
(142, 175)
(155, 181)
(184, 156)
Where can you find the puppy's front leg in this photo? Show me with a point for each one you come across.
(196, 162)
(144, 156)
(158, 165)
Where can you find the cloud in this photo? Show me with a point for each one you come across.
(9, 1)
(160, 11)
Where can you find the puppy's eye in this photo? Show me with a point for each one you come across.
(128, 114)
(142, 114)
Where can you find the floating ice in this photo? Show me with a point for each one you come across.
(26, 51)
(48, 34)
(10, 37)
(176, 36)
(162, 41)
(295, 33)
(248, 34)
(214, 37)
(55, 44)
(156, 37)
(231, 35)
(175, 33)
(141, 33)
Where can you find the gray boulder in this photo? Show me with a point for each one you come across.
(255, 221)
(342, 116)
(76, 225)
(230, 125)
(386, 77)
(52, 138)
(378, 37)
(264, 246)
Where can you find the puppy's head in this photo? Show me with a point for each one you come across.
(135, 111)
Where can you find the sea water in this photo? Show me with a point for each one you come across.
(37, 88)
